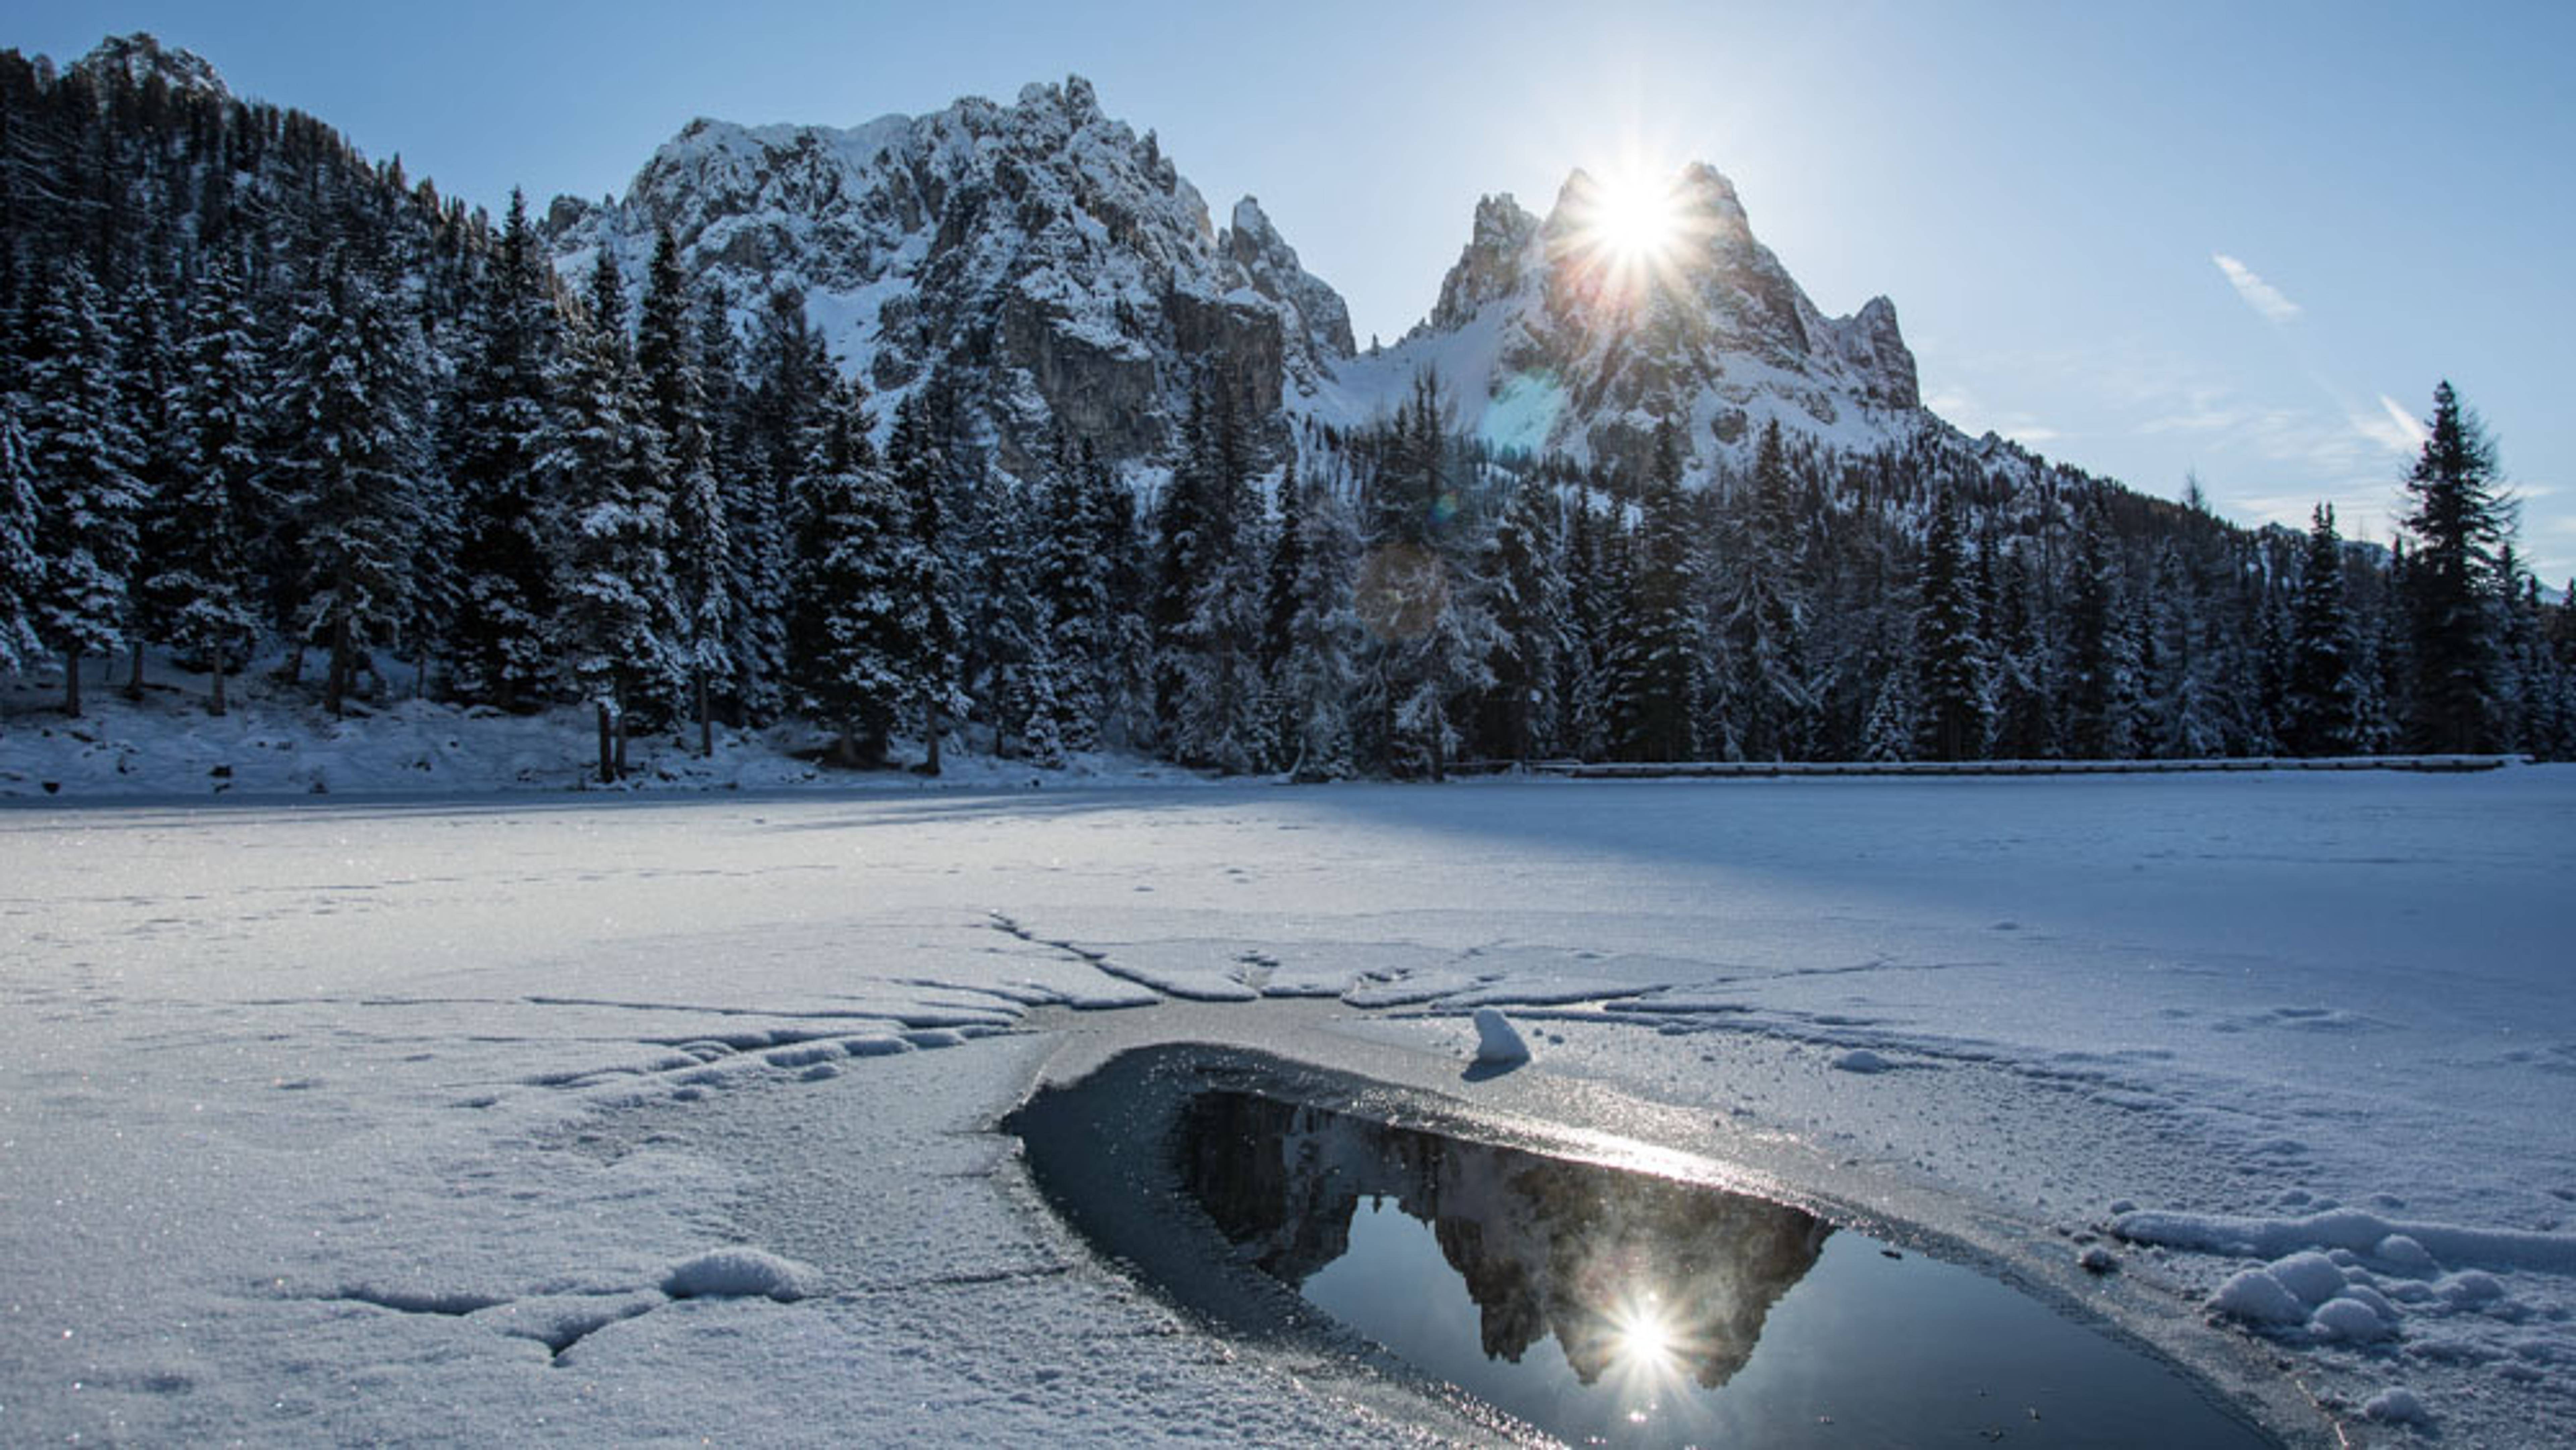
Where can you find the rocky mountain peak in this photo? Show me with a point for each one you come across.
(1490, 266)
(139, 57)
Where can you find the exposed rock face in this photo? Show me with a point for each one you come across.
(1550, 339)
(140, 57)
(1048, 256)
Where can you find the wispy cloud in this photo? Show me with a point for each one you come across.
(2262, 296)
(2403, 434)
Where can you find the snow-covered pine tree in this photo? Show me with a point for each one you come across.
(2101, 665)
(788, 376)
(205, 560)
(1661, 669)
(1527, 585)
(1215, 664)
(1316, 677)
(1018, 655)
(351, 401)
(2025, 702)
(1433, 638)
(2458, 519)
(701, 550)
(22, 575)
(2322, 703)
(83, 453)
(1074, 579)
(850, 626)
(618, 618)
(507, 520)
(916, 461)
(1771, 712)
(1592, 599)
(1953, 693)
(147, 368)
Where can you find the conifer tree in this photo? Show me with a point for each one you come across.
(507, 518)
(2101, 662)
(1771, 706)
(618, 614)
(2322, 703)
(146, 373)
(205, 561)
(1528, 590)
(1433, 638)
(2458, 520)
(2025, 727)
(1661, 671)
(1952, 690)
(352, 401)
(850, 630)
(22, 576)
(701, 549)
(789, 376)
(1075, 580)
(83, 453)
(924, 587)
(1316, 678)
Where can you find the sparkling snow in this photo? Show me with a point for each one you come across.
(494, 1118)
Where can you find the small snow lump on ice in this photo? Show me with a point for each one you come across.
(1497, 1041)
(1861, 1059)
(739, 1272)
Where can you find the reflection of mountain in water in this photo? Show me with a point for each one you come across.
(1545, 1246)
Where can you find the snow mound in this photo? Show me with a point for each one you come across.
(2312, 1276)
(2255, 1297)
(1497, 1041)
(1862, 1060)
(2396, 1406)
(2350, 1228)
(2351, 1320)
(738, 1272)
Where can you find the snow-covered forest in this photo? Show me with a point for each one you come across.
(265, 400)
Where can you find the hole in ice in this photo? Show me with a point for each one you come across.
(1601, 1305)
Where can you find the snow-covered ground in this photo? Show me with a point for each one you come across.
(348, 1120)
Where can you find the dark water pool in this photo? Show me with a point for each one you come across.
(1603, 1306)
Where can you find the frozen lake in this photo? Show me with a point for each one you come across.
(349, 1120)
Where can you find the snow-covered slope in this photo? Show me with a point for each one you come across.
(1050, 255)
(1546, 338)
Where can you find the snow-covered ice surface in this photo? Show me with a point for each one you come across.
(652, 1118)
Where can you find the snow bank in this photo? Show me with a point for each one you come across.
(2360, 1232)
(740, 1273)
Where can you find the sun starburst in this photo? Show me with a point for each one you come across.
(1632, 228)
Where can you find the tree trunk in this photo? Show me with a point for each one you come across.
(930, 764)
(215, 704)
(134, 681)
(706, 717)
(71, 681)
(607, 749)
(335, 679)
(621, 741)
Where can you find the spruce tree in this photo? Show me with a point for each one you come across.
(22, 577)
(1771, 704)
(1661, 673)
(1953, 692)
(1432, 637)
(508, 518)
(352, 403)
(789, 376)
(1075, 576)
(701, 548)
(1528, 591)
(88, 499)
(205, 562)
(618, 616)
(2322, 703)
(1315, 678)
(850, 630)
(2101, 666)
(2458, 520)
(923, 586)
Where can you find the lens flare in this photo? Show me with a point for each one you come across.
(1633, 232)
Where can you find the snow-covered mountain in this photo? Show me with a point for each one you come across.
(1050, 255)
(1060, 263)
(1546, 338)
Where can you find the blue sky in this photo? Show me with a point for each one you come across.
(2236, 239)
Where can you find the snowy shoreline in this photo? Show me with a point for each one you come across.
(306, 1115)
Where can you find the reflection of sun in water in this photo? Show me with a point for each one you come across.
(1642, 1336)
